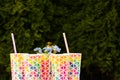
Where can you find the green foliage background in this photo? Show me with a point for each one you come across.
(91, 26)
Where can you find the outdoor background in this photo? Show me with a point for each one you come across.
(92, 28)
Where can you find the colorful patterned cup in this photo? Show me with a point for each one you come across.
(30, 66)
(65, 66)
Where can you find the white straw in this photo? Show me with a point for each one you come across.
(13, 40)
(66, 44)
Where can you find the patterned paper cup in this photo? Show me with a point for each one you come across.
(30, 66)
(65, 66)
